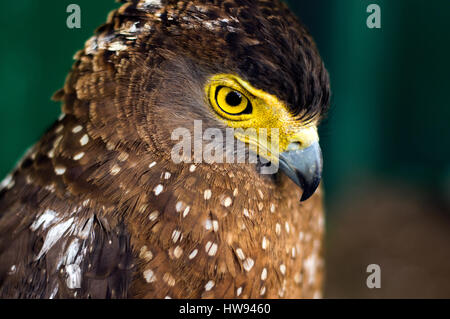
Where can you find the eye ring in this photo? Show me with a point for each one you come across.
(232, 102)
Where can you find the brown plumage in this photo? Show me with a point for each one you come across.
(97, 208)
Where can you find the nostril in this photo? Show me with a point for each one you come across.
(294, 146)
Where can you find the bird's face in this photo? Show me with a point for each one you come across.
(259, 119)
(266, 125)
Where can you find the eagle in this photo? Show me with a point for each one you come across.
(99, 207)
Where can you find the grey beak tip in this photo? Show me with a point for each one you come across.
(308, 191)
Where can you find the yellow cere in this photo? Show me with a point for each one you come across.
(242, 107)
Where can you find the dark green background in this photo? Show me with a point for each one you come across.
(390, 107)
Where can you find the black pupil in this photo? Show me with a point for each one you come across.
(234, 98)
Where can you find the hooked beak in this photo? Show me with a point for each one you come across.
(303, 166)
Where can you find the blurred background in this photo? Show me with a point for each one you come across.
(386, 140)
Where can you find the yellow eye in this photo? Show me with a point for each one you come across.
(231, 101)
